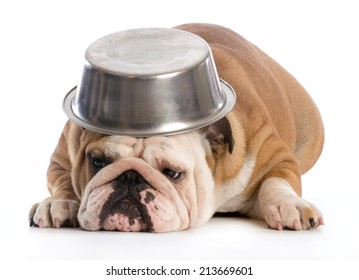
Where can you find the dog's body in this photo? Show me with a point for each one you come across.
(249, 162)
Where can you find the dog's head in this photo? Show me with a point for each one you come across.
(159, 184)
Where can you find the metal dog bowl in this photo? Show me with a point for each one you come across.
(146, 82)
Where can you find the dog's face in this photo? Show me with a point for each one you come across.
(154, 184)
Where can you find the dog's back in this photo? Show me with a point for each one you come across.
(264, 87)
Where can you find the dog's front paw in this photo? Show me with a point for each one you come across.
(293, 213)
(54, 213)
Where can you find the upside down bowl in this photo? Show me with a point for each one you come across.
(146, 82)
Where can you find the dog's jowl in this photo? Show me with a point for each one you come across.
(250, 161)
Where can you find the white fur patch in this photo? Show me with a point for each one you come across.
(279, 205)
(229, 195)
(278, 184)
(274, 190)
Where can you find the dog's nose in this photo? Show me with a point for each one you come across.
(131, 178)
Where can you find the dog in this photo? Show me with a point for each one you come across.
(249, 162)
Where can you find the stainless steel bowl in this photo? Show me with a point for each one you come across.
(146, 82)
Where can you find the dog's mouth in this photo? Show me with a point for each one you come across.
(127, 216)
(123, 210)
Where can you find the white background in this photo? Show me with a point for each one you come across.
(42, 44)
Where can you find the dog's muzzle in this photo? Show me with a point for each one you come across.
(125, 208)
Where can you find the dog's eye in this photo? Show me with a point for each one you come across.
(174, 175)
(98, 163)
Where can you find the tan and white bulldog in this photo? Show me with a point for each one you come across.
(250, 162)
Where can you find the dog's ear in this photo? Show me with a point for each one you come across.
(219, 135)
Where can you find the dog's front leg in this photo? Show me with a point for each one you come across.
(282, 208)
(61, 208)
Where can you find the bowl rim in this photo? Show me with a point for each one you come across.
(228, 104)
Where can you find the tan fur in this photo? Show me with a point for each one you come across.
(274, 122)
(274, 117)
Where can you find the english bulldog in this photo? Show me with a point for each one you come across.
(249, 162)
